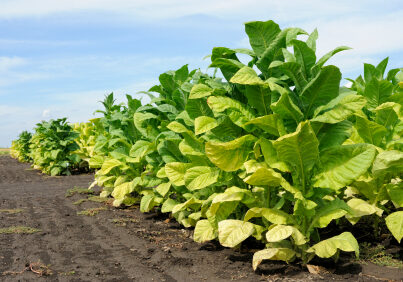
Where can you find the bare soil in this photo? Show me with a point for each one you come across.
(123, 244)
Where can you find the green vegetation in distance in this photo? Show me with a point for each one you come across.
(274, 149)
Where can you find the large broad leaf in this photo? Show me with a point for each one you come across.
(377, 92)
(283, 254)
(394, 222)
(272, 215)
(199, 91)
(259, 97)
(204, 231)
(370, 131)
(293, 71)
(305, 56)
(198, 107)
(204, 124)
(341, 165)
(329, 211)
(282, 232)
(328, 248)
(274, 51)
(299, 150)
(247, 76)
(176, 172)
(386, 115)
(388, 162)
(261, 34)
(199, 177)
(270, 155)
(331, 135)
(108, 165)
(345, 108)
(272, 124)
(219, 104)
(321, 89)
(231, 155)
(326, 57)
(395, 192)
(264, 176)
(360, 208)
(286, 108)
(232, 232)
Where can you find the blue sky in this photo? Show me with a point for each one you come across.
(59, 57)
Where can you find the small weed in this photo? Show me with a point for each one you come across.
(97, 199)
(67, 273)
(78, 190)
(79, 202)
(11, 211)
(91, 212)
(377, 255)
(123, 221)
(18, 230)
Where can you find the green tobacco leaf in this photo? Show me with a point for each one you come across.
(328, 248)
(270, 155)
(386, 115)
(272, 124)
(199, 177)
(232, 232)
(199, 91)
(321, 89)
(370, 131)
(108, 165)
(394, 222)
(345, 108)
(204, 231)
(147, 203)
(286, 108)
(293, 71)
(230, 156)
(326, 57)
(259, 98)
(282, 232)
(272, 215)
(329, 211)
(283, 254)
(198, 107)
(360, 208)
(305, 56)
(299, 150)
(377, 92)
(395, 192)
(168, 205)
(247, 76)
(261, 34)
(163, 188)
(264, 176)
(204, 124)
(192, 203)
(219, 104)
(341, 165)
(176, 172)
(388, 162)
(331, 135)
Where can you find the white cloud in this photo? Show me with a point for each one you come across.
(7, 63)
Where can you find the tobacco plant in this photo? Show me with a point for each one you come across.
(20, 147)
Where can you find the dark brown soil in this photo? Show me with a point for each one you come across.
(122, 245)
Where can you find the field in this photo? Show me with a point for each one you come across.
(123, 244)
